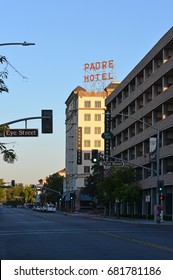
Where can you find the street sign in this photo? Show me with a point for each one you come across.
(32, 132)
(114, 163)
(107, 135)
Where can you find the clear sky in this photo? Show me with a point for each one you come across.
(67, 34)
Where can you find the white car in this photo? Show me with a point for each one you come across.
(50, 207)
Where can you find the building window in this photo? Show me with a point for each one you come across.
(97, 117)
(87, 104)
(86, 156)
(97, 130)
(87, 130)
(87, 117)
(86, 169)
(97, 104)
(86, 143)
(97, 143)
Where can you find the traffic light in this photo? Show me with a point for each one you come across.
(160, 186)
(47, 121)
(33, 187)
(72, 196)
(94, 156)
(161, 197)
(13, 183)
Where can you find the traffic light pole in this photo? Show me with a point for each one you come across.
(125, 161)
(158, 164)
(46, 117)
(21, 120)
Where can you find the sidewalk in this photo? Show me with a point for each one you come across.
(121, 219)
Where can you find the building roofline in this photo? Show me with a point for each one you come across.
(146, 59)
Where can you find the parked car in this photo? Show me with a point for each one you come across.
(36, 208)
(49, 207)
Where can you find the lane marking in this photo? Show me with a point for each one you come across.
(137, 241)
(110, 232)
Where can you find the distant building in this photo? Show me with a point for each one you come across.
(141, 106)
(62, 172)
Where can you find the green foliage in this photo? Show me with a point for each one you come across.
(9, 155)
(29, 194)
(2, 195)
(54, 188)
(2, 192)
(16, 196)
(118, 185)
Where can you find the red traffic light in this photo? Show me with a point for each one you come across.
(161, 197)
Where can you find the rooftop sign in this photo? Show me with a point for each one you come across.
(98, 71)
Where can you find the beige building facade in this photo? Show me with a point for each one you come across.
(141, 106)
(85, 113)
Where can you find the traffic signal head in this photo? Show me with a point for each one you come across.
(33, 187)
(13, 183)
(94, 156)
(72, 196)
(47, 121)
(160, 186)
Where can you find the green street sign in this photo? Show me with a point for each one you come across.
(107, 135)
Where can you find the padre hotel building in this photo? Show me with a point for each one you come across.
(85, 113)
(141, 108)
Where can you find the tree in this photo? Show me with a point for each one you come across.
(119, 187)
(53, 188)
(2, 192)
(92, 188)
(9, 155)
(29, 194)
(16, 195)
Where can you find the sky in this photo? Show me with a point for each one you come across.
(67, 34)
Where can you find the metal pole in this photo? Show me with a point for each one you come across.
(158, 164)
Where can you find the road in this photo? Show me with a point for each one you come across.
(32, 235)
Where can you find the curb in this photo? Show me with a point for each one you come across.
(123, 220)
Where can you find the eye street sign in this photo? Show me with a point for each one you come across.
(114, 163)
(32, 132)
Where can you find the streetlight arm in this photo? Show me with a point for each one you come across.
(21, 44)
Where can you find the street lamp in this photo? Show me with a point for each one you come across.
(157, 171)
(21, 44)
